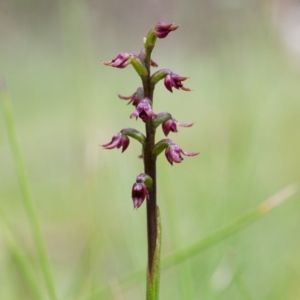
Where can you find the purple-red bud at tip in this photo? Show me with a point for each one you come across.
(118, 140)
(161, 29)
(171, 125)
(174, 80)
(143, 110)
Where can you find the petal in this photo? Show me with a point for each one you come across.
(176, 155)
(162, 29)
(148, 110)
(165, 128)
(169, 156)
(138, 194)
(121, 61)
(189, 153)
(113, 143)
(185, 124)
(144, 116)
(124, 143)
(126, 97)
(184, 88)
(169, 125)
(153, 64)
(168, 83)
(135, 114)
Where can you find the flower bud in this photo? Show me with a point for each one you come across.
(138, 194)
(161, 29)
(139, 190)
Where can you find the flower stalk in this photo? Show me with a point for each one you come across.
(146, 183)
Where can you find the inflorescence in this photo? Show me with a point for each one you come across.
(143, 108)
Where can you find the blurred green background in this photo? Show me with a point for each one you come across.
(243, 61)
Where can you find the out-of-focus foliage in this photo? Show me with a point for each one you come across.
(242, 60)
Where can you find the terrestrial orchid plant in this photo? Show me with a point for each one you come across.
(142, 99)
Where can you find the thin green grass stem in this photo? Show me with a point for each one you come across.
(25, 271)
(23, 263)
(209, 240)
(24, 186)
(230, 228)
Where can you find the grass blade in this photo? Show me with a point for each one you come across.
(209, 240)
(231, 228)
(24, 186)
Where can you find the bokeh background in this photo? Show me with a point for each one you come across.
(243, 59)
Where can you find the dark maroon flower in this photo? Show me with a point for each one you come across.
(139, 193)
(171, 125)
(121, 61)
(173, 153)
(135, 98)
(174, 80)
(143, 110)
(118, 140)
(162, 29)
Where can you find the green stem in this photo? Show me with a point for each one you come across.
(152, 209)
(154, 274)
(24, 186)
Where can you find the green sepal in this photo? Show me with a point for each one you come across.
(159, 75)
(137, 135)
(139, 66)
(161, 118)
(161, 146)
